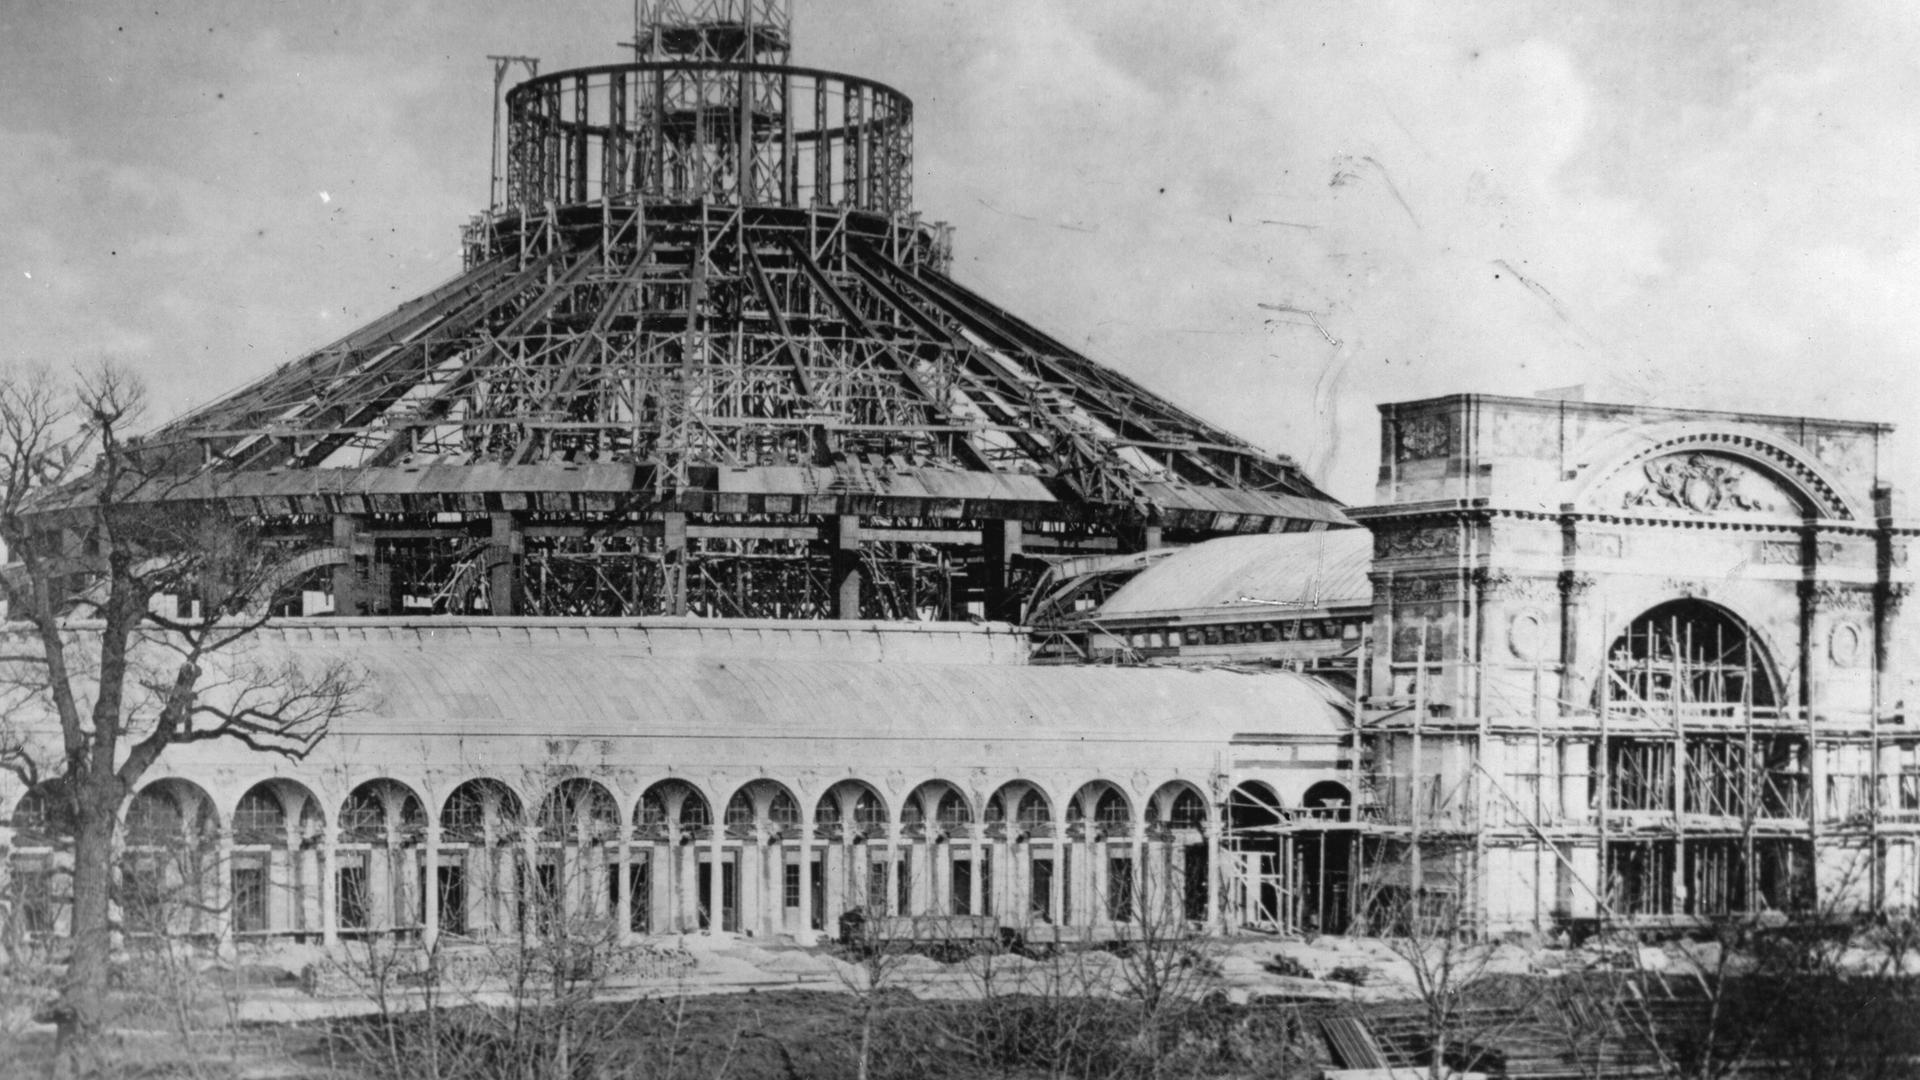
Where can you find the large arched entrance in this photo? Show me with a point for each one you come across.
(1702, 767)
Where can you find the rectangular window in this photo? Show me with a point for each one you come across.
(986, 882)
(790, 885)
(350, 889)
(818, 885)
(905, 894)
(33, 892)
(249, 897)
(962, 891)
(452, 895)
(1120, 889)
(1040, 893)
(640, 896)
(1067, 866)
(877, 888)
(546, 896)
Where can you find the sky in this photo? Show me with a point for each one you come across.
(1279, 213)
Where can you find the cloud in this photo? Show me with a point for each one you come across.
(1710, 205)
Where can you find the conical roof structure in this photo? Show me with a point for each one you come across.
(705, 358)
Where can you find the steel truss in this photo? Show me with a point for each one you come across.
(705, 359)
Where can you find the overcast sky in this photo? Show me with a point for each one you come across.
(1280, 214)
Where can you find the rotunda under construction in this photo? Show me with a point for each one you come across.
(706, 358)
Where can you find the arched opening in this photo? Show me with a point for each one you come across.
(1323, 859)
(380, 871)
(759, 879)
(578, 822)
(1176, 854)
(40, 863)
(1099, 881)
(855, 870)
(1688, 657)
(663, 886)
(169, 872)
(278, 832)
(942, 868)
(1252, 856)
(1018, 823)
(1692, 703)
(479, 825)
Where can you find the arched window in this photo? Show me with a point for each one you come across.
(1189, 811)
(363, 820)
(1033, 814)
(1111, 812)
(154, 820)
(1690, 655)
(740, 810)
(953, 811)
(784, 812)
(868, 812)
(260, 819)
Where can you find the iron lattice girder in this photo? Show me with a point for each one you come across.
(727, 339)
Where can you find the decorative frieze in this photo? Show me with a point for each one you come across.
(1423, 590)
(1836, 596)
(1421, 437)
(1691, 588)
(1415, 543)
(1502, 585)
(1697, 483)
(1575, 585)
(1892, 595)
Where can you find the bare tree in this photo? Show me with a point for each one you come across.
(128, 607)
(1436, 929)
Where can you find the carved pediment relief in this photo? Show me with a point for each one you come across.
(1697, 482)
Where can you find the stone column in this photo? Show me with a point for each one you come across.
(223, 889)
(1213, 868)
(1057, 888)
(893, 870)
(306, 872)
(329, 888)
(1141, 887)
(687, 902)
(975, 889)
(804, 932)
(623, 886)
(430, 933)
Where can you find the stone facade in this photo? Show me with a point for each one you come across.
(1642, 663)
(675, 776)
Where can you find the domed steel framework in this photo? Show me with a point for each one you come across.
(706, 359)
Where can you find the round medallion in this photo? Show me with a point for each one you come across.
(1527, 635)
(1844, 644)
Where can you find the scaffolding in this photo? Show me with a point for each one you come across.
(1698, 793)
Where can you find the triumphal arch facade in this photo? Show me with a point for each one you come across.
(1641, 664)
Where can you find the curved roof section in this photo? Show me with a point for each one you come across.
(1305, 570)
(469, 682)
